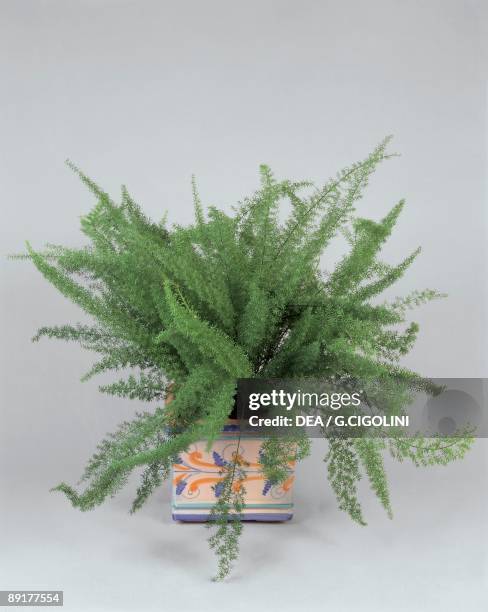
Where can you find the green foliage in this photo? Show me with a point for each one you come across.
(344, 473)
(226, 513)
(369, 452)
(152, 476)
(431, 451)
(278, 453)
(234, 296)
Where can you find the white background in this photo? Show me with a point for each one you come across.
(148, 92)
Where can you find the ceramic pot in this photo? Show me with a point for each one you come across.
(196, 476)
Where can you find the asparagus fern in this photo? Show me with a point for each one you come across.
(234, 296)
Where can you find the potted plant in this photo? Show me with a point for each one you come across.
(193, 309)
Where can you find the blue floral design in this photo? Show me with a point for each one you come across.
(218, 460)
(218, 489)
(180, 487)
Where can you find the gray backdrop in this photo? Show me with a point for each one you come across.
(148, 92)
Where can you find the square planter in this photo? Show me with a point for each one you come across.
(196, 477)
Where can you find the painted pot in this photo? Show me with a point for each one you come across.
(196, 476)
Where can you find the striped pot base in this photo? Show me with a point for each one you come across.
(197, 473)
